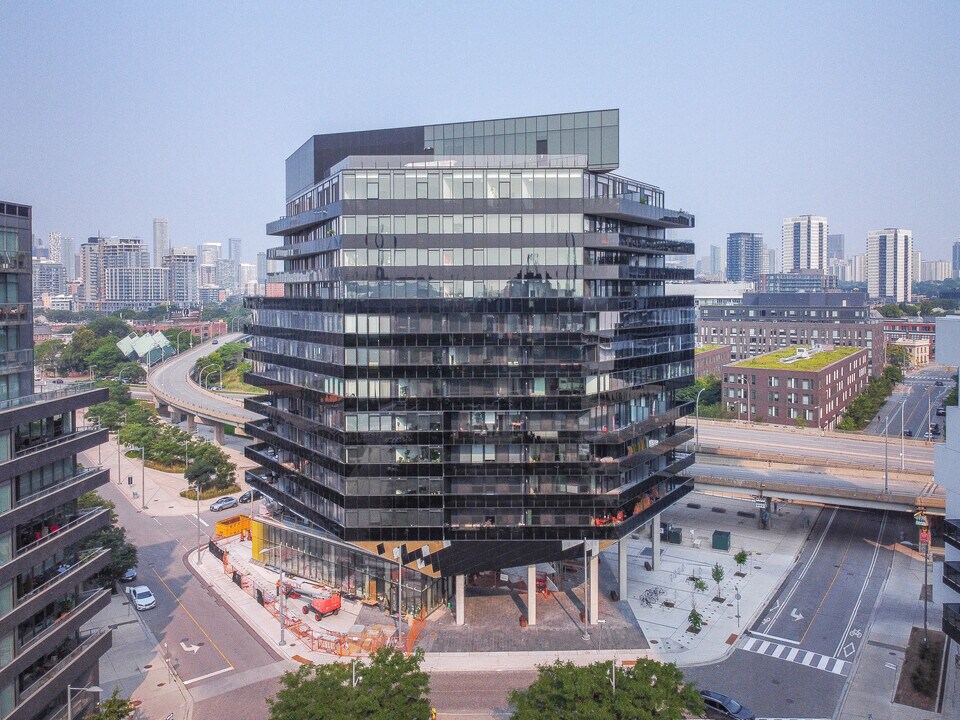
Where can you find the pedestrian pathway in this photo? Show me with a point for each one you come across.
(796, 655)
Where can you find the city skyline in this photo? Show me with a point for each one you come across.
(203, 112)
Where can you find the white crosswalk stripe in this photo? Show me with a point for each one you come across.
(796, 655)
(786, 718)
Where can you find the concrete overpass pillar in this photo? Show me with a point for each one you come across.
(218, 434)
(655, 542)
(531, 594)
(594, 593)
(191, 424)
(460, 598)
(622, 567)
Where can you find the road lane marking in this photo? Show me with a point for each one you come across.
(208, 675)
(773, 637)
(190, 615)
(798, 656)
(848, 632)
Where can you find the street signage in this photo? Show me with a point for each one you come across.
(920, 518)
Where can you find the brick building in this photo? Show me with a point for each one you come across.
(912, 329)
(710, 359)
(802, 386)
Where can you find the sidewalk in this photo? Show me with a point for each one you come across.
(870, 691)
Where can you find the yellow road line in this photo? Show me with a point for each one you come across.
(829, 587)
(190, 615)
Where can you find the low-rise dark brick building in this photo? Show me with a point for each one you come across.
(710, 359)
(801, 386)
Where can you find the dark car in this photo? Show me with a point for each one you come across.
(724, 706)
(130, 575)
(939, 383)
(250, 496)
(57, 381)
(223, 503)
(217, 342)
(941, 411)
(908, 433)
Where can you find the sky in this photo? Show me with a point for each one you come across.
(113, 113)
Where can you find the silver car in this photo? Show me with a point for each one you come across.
(141, 597)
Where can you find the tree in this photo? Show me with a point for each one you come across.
(718, 575)
(48, 350)
(891, 310)
(109, 325)
(711, 387)
(113, 708)
(695, 619)
(389, 686)
(123, 555)
(566, 691)
(74, 356)
(741, 560)
(898, 356)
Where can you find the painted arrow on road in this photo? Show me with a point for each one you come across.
(189, 648)
(793, 613)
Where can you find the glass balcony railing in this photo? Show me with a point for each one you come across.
(951, 575)
(65, 391)
(951, 621)
(951, 532)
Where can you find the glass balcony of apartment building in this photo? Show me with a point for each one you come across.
(38, 502)
(47, 678)
(14, 261)
(14, 313)
(86, 394)
(35, 588)
(951, 621)
(951, 575)
(39, 540)
(951, 532)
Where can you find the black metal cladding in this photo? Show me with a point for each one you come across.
(515, 403)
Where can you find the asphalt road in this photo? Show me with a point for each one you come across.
(797, 657)
(171, 378)
(919, 396)
(217, 658)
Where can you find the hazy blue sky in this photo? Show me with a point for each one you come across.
(744, 113)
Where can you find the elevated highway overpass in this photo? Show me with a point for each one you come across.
(177, 394)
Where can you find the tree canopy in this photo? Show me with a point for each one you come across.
(711, 387)
(388, 687)
(123, 555)
(649, 689)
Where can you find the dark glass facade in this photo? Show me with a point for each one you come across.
(47, 586)
(473, 365)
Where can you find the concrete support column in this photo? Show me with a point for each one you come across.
(655, 541)
(219, 437)
(191, 423)
(622, 567)
(594, 593)
(460, 598)
(531, 594)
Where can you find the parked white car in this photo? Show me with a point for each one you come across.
(141, 597)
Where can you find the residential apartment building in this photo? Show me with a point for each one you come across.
(956, 260)
(744, 256)
(797, 281)
(47, 578)
(49, 278)
(765, 322)
(138, 288)
(473, 363)
(798, 386)
(935, 270)
(890, 270)
(709, 360)
(182, 265)
(804, 243)
(835, 246)
(100, 254)
(161, 240)
(235, 249)
(946, 460)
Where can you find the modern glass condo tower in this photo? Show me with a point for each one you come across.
(469, 357)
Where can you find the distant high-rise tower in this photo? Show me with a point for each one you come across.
(835, 247)
(804, 243)
(744, 251)
(100, 254)
(262, 266)
(55, 252)
(161, 240)
(956, 259)
(68, 252)
(182, 263)
(768, 260)
(716, 260)
(235, 249)
(209, 253)
(890, 264)
(915, 266)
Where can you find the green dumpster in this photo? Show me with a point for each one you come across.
(721, 540)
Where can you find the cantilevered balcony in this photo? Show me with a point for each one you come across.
(78, 656)
(66, 535)
(951, 621)
(951, 532)
(951, 575)
(49, 498)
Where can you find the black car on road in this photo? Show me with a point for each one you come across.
(723, 706)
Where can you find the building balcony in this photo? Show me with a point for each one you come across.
(49, 498)
(293, 224)
(33, 407)
(628, 207)
(56, 583)
(14, 261)
(74, 658)
(951, 575)
(951, 532)
(951, 621)
(67, 535)
(14, 313)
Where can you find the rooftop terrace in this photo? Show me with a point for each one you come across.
(818, 360)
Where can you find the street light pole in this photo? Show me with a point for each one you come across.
(886, 446)
(143, 477)
(119, 451)
(904, 402)
(71, 690)
(281, 606)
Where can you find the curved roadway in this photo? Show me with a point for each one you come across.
(171, 384)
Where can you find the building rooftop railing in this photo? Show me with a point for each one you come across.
(450, 162)
(65, 391)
